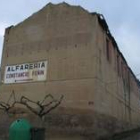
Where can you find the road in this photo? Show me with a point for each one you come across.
(134, 136)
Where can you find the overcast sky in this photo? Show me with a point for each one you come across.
(122, 16)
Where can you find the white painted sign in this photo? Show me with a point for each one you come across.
(27, 72)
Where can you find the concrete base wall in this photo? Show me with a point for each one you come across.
(69, 124)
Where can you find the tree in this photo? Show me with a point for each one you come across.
(39, 108)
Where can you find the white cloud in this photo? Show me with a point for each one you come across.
(2, 28)
(129, 44)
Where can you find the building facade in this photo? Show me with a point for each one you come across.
(64, 50)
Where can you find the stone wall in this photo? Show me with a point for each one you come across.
(73, 42)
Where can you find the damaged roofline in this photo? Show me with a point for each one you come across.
(104, 25)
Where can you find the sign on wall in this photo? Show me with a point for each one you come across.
(27, 72)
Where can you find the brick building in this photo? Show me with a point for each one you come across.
(72, 53)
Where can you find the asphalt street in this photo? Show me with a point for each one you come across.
(133, 136)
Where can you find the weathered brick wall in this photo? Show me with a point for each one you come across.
(74, 45)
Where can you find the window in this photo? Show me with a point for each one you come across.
(118, 65)
(107, 50)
